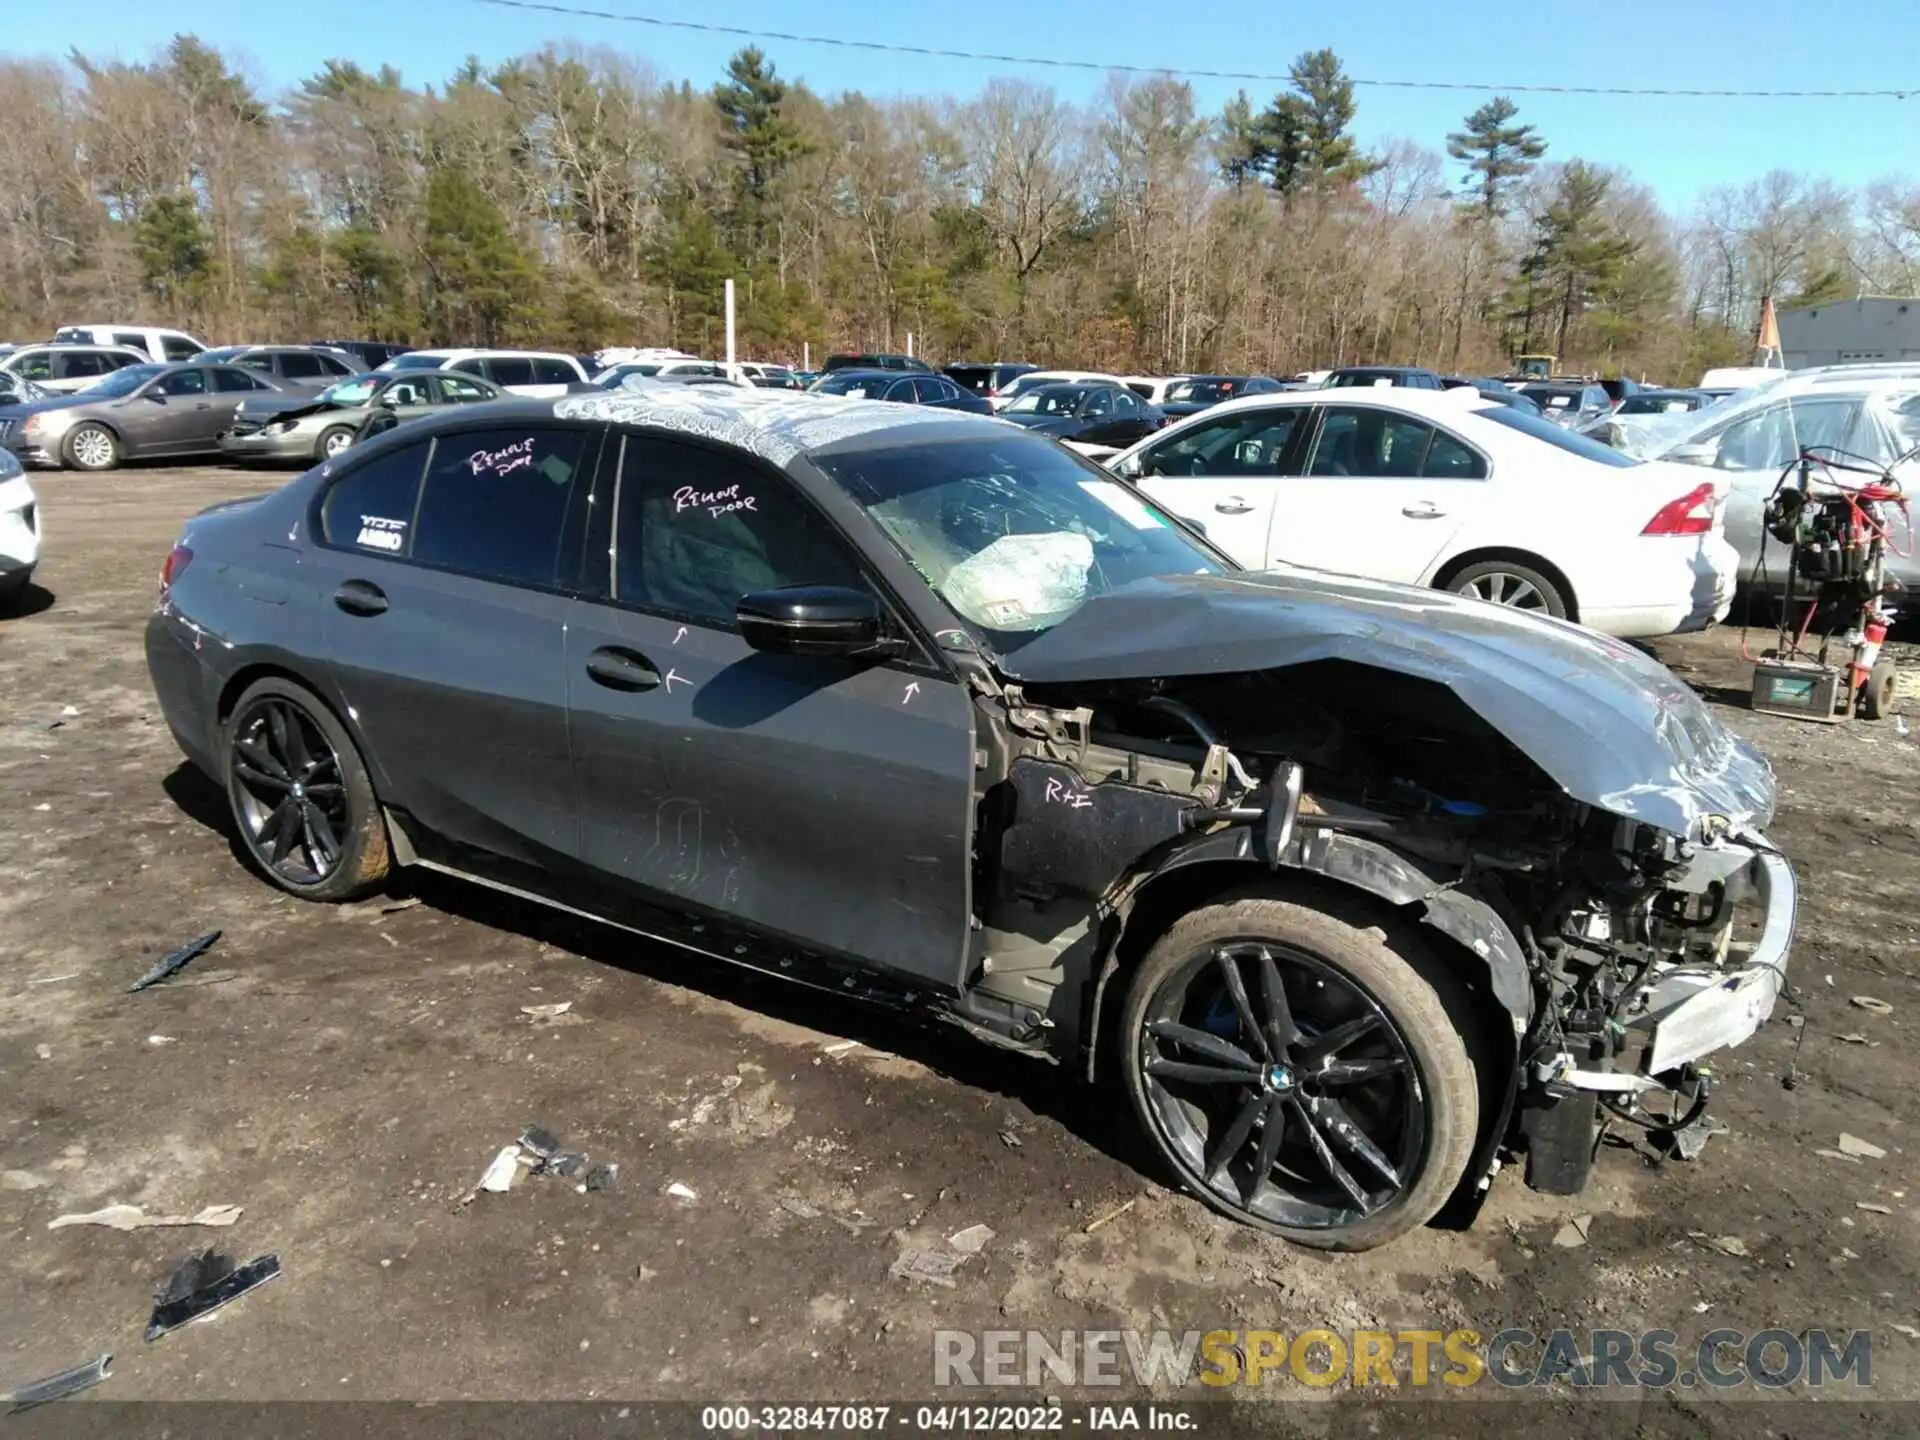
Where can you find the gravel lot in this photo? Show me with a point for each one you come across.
(345, 1075)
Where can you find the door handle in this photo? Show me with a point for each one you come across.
(1233, 505)
(1425, 510)
(361, 597)
(621, 670)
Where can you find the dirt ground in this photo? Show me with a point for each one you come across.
(346, 1074)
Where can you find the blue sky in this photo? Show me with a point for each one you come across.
(1679, 146)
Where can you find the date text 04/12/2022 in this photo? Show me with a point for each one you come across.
(997, 1419)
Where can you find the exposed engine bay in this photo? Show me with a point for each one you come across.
(1591, 936)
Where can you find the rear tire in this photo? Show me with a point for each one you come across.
(301, 796)
(1508, 583)
(1212, 1066)
(91, 446)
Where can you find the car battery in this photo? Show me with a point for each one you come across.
(1799, 690)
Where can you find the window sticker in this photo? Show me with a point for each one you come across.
(1123, 503)
(379, 533)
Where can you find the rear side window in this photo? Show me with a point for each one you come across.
(495, 502)
(227, 379)
(510, 372)
(262, 363)
(553, 372)
(77, 364)
(298, 366)
(371, 507)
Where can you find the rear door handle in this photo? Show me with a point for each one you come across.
(621, 670)
(361, 597)
(1233, 505)
(1425, 510)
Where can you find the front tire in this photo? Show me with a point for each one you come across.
(1341, 1114)
(92, 447)
(332, 441)
(1504, 582)
(301, 797)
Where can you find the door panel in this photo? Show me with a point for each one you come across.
(1364, 506)
(825, 800)
(1224, 474)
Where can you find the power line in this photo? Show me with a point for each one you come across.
(937, 52)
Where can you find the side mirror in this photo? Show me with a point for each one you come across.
(1700, 452)
(1128, 466)
(814, 620)
(155, 396)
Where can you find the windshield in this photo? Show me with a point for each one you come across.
(1204, 392)
(124, 382)
(1557, 436)
(1551, 397)
(1651, 404)
(854, 384)
(222, 355)
(1014, 533)
(1048, 400)
(351, 392)
(413, 362)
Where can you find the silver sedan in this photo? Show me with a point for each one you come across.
(304, 429)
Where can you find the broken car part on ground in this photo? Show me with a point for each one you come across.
(1353, 887)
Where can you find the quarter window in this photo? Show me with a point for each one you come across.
(695, 529)
(494, 504)
(370, 508)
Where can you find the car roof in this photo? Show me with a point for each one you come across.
(776, 425)
(1437, 404)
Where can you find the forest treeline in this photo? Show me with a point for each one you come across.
(575, 198)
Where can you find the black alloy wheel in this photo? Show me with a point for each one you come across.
(1312, 1084)
(301, 796)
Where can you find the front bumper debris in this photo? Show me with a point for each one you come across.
(1692, 1010)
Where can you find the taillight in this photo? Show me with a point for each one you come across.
(1691, 514)
(178, 559)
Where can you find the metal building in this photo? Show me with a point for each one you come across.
(1851, 331)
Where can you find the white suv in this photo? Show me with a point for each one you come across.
(66, 368)
(152, 341)
(538, 373)
(19, 529)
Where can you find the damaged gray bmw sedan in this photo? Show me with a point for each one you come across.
(1356, 890)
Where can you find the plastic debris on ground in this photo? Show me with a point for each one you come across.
(1864, 1149)
(1872, 1005)
(1687, 1143)
(602, 1177)
(684, 1193)
(972, 1240)
(174, 962)
(59, 1387)
(132, 1217)
(540, 1152)
(547, 1012)
(1110, 1216)
(935, 1267)
(1574, 1233)
(203, 1284)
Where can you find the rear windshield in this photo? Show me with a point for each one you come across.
(1206, 392)
(977, 378)
(1557, 436)
(1645, 404)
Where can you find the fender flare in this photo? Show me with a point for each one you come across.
(1365, 865)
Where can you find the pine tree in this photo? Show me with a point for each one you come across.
(757, 130)
(175, 251)
(1240, 143)
(1497, 153)
(480, 284)
(1577, 258)
(1301, 140)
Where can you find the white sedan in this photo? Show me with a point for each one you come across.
(19, 529)
(1456, 492)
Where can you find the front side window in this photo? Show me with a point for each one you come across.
(226, 378)
(35, 365)
(350, 392)
(1772, 437)
(1253, 442)
(407, 392)
(695, 529)
(553, 372)
(183, 382)
(494, 504)
(462, 391)
(370, 508)
(1013, 533)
